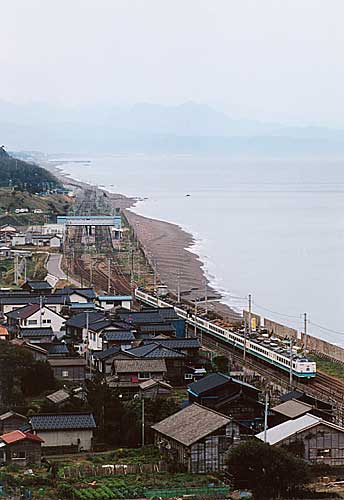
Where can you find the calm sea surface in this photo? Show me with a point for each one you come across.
(271, 228)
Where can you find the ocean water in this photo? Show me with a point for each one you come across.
(272, 228)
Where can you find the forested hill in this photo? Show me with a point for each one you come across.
(24, 176)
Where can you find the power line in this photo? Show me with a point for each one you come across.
(326, 329)
(276, 312)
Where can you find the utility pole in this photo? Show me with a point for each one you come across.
(25, 277)
(305, 330)
(195, 331)
(109, 274)
(91, 270)
(155, 274)
(178, 287)
(40, 310)
(206, 296)
(16, 273)
(249, 315)
(143, 420)
(291, 365)
(266, 414)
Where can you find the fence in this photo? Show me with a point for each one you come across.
(214, 491)
(112, 470)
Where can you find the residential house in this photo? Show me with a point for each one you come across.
(77, 295)
(20, 448)
(10, 421)
(230, 396)
(310, 437)
(58, 349)
(120, 338)
(37, 335)
(137, 370)
(35, 315)
(153, 389)
(4, 335)
(103, 360)
(164, 315)
(197, 438)
(77, 327)
(175, 360)
(68, 369)
(18, 239)
(292, 409)
(37, 286)
(323, 408)
(11, 301)
(38, 352)
(45, 240)
(189, 347)
(59, 397)
(64, 432)
(108, 302)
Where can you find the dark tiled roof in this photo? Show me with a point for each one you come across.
(176, 343)
(154, 351)
(23, 312)
(60, 349)
(51, 422)
(99, 325)
(162, 327)
(62, 362)
(88, 293)
(149, 315)
(214, 380)
(36, 332)
(80, 320)
(35, 299)
(38, 285)
(117, 335)
(139, 365)
(107, 353)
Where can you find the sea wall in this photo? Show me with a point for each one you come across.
(280, 330)
(323, 349)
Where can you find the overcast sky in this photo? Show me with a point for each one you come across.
(263, 59)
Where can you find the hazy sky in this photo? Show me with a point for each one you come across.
(265, 59)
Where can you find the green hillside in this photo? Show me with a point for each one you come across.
(23, 176)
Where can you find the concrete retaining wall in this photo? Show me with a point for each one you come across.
(279, 330)
(323, 349)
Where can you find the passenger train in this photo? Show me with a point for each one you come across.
(270, 350)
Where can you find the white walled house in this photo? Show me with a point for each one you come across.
(66, 430)
(107, 302)
(18, 240)
(35, 315)
(9, 303)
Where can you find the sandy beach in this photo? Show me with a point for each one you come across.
(167, 247)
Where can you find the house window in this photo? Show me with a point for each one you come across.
(32, 322)
(323, 453)
(144, 375)
(45, 321)
(188, 376)
(18, 455)
(65, 373)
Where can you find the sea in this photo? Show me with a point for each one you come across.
(272, 228)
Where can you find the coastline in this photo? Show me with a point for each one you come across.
(167, 246)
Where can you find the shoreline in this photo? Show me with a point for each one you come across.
(167, 246)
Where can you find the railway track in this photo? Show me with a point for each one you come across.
(322, 387)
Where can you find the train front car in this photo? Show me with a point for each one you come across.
(305, 368)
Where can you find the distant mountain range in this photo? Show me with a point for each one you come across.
(150, 128)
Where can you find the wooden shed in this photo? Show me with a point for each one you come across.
(197, 438)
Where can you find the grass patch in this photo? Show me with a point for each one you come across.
(329, 367)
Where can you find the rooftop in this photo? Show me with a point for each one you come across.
(107, 353)
(63, 421)
(154, 350)
(114, 298)
(176, 343)
(191, 424)
(139, 365)
(38, 285)
(56, 362)
(118, 335)
(24, 312)
(292, 408)
(10, 414)
(59, 396)
(36, 332)
(15, 436)
(214, 380)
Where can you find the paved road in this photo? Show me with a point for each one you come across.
(55, 271)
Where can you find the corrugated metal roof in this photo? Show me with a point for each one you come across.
(286, 429)
(114, 298)
(15, 436)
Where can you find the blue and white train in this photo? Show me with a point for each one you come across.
(268, 349)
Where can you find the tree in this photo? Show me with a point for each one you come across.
(221, 363)
(269, 472)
